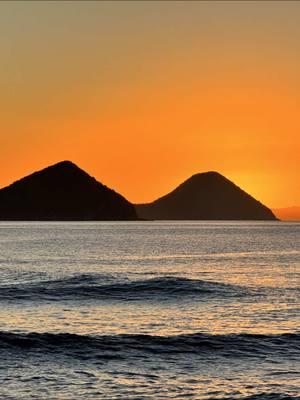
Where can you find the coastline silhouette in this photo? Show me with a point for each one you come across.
(65, 192)
(206, 196)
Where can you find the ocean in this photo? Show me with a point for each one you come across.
(150, 310)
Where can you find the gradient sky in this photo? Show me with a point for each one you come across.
(144, 94)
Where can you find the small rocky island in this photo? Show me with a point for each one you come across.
(62, 192)
(206, 196)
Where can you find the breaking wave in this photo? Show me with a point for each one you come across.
(126, 345)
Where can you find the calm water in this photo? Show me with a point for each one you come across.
(154, 310)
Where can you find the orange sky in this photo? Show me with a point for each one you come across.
(143, 95)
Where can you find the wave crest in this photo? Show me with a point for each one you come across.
(93, 287)
(234, 345)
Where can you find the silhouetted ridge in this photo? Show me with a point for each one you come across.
(206, 196)
(62, 192)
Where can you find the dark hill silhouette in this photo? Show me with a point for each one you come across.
(62, 192)
(206, 196)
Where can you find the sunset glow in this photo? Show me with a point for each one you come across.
(150, 199)
(143, 95)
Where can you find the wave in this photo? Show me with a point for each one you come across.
(125, 345)
(94, 287)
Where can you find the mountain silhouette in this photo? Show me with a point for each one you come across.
(62, 192)
(206, 196)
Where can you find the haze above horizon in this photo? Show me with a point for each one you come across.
(143, 95)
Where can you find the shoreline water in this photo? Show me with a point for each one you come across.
(150, 310)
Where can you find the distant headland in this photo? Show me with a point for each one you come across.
(206, 196)
(288, 213)
(64, 192)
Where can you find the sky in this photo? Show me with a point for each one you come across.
(144, 94)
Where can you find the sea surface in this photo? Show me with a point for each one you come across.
(150, 310)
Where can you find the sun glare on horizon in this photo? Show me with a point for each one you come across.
(145, 94)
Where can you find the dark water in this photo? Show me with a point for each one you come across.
(166, 310)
